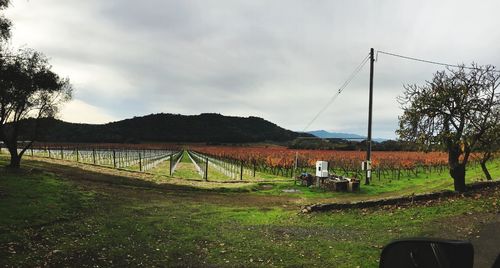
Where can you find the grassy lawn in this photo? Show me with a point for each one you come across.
(187, 171)
(52, 218)
(162, 169)
(406, 185)
(269, 185)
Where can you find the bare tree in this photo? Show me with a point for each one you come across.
(28, 89)
(451, 111)
(490, 141)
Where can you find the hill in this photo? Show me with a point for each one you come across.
(338, 135)
(214, 128)
(335, 135)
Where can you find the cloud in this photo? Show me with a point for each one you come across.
(77, 111)
(273, 59)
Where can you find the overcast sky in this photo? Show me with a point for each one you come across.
(280, 60)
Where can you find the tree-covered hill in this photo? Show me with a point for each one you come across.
(164, 128)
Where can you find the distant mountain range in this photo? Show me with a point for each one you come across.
(338, 135)
(162, 127)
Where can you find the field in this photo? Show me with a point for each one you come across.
(287, 162)
(62, 212)
(237, 162)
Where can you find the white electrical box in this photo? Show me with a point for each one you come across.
(366, 165)
(322, 169)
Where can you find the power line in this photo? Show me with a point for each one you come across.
(344, 85)
(429, 61)
(365, 60)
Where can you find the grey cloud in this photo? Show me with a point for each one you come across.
(281, 60)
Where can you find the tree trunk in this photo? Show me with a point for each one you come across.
(15, 158)
(483, 161)
(458, 175)
(485, 170)
(15, 161)
(457, 169)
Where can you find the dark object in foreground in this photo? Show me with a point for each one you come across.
(331, 183)
(306, 179)
(419, 252)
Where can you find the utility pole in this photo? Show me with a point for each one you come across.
(370, 108)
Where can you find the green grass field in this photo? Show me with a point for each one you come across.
(62, 215)
(270, 185)
(407, 184)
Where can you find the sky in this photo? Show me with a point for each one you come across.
(279, 60)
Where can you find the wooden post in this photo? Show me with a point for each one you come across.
(140, 162)
(114, 158)
(254, 167)
(170, 170)
(93, 155)
(241, 170)
(77, 156)
(62, 154)
(295, 164)
(206, 169)
(49, 151)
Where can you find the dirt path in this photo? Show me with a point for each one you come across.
(487, 244)
(482, 229)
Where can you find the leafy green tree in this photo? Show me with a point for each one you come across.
(28, 89)
(451, 111)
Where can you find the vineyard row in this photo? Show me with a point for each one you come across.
(234, 167)
(133, 159)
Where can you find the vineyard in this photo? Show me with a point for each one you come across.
(132, 157)
(286, 162)
(244, 163)
(232, 169)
